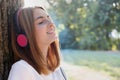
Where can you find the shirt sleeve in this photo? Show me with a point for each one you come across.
(20, 72)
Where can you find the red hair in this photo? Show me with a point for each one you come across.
(32, 54)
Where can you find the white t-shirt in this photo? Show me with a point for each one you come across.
(21, 70)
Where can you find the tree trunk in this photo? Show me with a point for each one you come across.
(7, 8)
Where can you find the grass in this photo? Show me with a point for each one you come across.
(105, 61)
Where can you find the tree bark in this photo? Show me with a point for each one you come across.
(7, 8)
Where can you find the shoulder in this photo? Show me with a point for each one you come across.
(22, 64)
(21, 69)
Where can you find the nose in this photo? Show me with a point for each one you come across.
(51, 25)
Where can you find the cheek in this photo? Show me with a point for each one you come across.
(40, 34)
(40, 30)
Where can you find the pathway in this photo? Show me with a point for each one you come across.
(83, 73)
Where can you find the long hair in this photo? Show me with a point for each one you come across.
(31, 53)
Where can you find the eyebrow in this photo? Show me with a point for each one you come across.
(40, 17)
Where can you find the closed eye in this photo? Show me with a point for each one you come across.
(40, 22)
(43, 19)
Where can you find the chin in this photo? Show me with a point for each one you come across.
(53, 40)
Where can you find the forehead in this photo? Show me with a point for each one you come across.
(39, 12)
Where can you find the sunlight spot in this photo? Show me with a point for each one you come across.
(77, 39)
(114, 47)
(78, 9)
(85, 4)
(61, 27)
(68, 1)
(72, 26)
(114, 4)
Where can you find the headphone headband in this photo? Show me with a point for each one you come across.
(21, 37)
(16, 21)
(17, 16)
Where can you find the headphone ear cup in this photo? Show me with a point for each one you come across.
(22, 40)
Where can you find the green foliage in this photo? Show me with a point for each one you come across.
(88, 23)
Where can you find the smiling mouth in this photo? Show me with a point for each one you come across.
(51, 32)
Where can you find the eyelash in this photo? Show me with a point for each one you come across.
(40, 22)
(43, 20)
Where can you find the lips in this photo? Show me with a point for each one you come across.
(51, 32)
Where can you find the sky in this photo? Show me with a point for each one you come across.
(42, 3)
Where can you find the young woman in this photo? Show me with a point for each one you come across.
(35, 45)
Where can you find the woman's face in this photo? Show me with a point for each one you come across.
(44, 28)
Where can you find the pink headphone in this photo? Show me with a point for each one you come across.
(21, 37)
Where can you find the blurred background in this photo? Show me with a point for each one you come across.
(89, 33)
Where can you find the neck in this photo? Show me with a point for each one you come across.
(44, 50)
